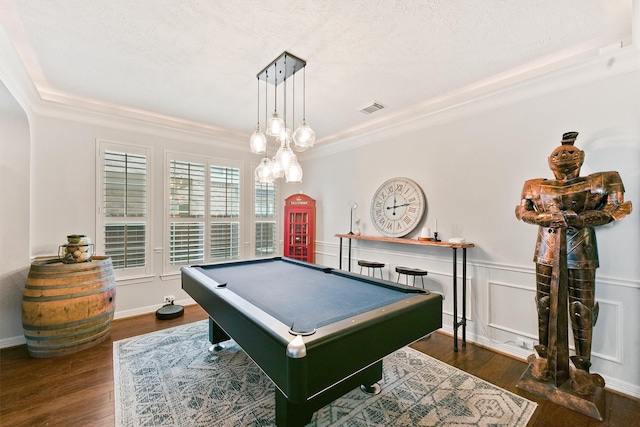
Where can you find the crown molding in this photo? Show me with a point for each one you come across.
(567, 69)
(35, 103)
(134, 120)
(499, 90)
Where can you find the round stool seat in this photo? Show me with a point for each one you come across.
(370, 264)
(409, 271)
(371, 267)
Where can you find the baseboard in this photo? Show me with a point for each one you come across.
(20, 340)
(12, 341)
(148, 309)
(612, 384)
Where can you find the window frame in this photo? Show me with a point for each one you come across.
(103, 146)
(207, 219)
(259, 219)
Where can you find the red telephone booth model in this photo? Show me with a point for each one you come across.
(299, 227)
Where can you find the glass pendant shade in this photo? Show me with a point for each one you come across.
(264, 172)
(304, 137)
(294, 172)
(285, 137)
(275, 125)
(278, 170)
(258, 141)
(285, 156)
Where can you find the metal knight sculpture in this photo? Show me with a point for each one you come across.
(566, 209)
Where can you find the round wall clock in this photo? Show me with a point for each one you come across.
(397, 207)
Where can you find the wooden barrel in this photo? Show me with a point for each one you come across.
(67, 307)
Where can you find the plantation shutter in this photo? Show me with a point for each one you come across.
(265, 226)
(225, 205)
(125, 209)
(187, 212)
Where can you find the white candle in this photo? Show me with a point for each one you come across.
(435, 227)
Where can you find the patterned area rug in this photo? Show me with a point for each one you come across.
(168, 378)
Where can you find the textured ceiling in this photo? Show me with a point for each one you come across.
(197, 60)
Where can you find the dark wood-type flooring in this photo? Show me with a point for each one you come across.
(77, 390)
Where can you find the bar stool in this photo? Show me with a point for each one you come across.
(371, 267)
(409, 271)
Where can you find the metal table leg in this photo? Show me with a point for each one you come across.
(463, 320)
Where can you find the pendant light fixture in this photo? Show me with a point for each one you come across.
(284, 163)
(304, 136)
(258, 141)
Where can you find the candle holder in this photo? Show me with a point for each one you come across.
(352, 206)
(435, 236)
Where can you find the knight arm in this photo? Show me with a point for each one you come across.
(526, 211)
(614, 208)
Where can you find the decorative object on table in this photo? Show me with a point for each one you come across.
(300, 227)
(425, 235)
(352, 207)
(169, 378)
(397, 207)
(565, 210)
(77, 249)
(284, 162)
(457, 240)
(67, 307)
(357, 232)
(435, 231)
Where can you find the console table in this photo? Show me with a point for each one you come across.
(455, 246)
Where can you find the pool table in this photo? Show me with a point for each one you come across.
(316, 332)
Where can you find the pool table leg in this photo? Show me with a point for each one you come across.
(290, 414)
(216, 336)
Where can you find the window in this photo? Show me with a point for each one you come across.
(225, 213)
(204, 211)
(265, 223)
(123, 200)
(187, 210)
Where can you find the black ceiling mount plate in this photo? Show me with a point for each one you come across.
(281, 68)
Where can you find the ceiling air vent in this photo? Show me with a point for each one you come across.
(371, 107)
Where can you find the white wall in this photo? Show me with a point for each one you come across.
(471, 162)
(65, 149)
(14, 213)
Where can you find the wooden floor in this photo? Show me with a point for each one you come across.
(77, 390)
